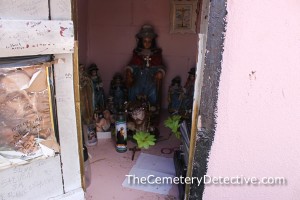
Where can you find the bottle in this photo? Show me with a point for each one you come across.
(121, 133)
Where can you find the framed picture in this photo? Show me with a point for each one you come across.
(183, 16)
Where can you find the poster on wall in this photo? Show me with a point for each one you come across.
(26, 118)
(183, 16)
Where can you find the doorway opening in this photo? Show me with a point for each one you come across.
(106, 33)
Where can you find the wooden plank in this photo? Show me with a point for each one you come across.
(64, 87)
(35, 37)
(24, 9)
(210, 75)
(60, 9)
(40, 179)
(78, 112)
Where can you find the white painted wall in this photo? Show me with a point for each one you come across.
(35, 37)
(24, 24)
(258, 123)
(41, 179)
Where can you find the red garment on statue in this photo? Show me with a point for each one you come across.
(139, 59)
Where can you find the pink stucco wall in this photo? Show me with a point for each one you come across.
(258, 123)
(111, 29)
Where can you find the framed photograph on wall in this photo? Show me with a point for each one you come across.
(183, 16)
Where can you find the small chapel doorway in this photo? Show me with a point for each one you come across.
(108, 34)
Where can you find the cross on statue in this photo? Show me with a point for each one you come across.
(98, 86)
(147, 59)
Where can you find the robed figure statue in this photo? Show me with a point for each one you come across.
(145, 70)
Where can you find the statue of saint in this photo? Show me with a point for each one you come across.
(189, 87)
(118, 93)
(99, 97)
(86, 95)
(139, 118)
(145, 71)
(187, 102)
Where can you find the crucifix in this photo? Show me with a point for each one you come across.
(182, 11)
(147, 59)
(134, 149)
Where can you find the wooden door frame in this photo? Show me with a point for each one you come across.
(209, 67)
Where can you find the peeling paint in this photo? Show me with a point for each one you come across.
(252, 75)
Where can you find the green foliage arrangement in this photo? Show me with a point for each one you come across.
(173, 123)
(144, 139)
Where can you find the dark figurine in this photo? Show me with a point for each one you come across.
(175, 95)
(189, 86)
(86, 95)
(118, 93)
(110, 105)
(99, 98)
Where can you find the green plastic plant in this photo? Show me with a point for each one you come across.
(144, 139)
(173, 123)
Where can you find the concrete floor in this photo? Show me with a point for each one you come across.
(108, 169)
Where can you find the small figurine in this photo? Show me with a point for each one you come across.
(190, 85)
(86, 95)
(99, 98)
(140, 117)
(175, 95)
(118, 92)
(110, 105)
(187, 103)
(103, 124)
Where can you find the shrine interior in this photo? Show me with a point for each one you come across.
(127, 85)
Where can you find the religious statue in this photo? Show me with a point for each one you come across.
(103, 124)
(145, 71)
(118, 93)
(139, 117)
(189, 86)
(98, 94)
(86, 95)
(175, 95)
(187, 104)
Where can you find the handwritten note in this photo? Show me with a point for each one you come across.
(40, 179)
(24, 9)
(35, 37)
